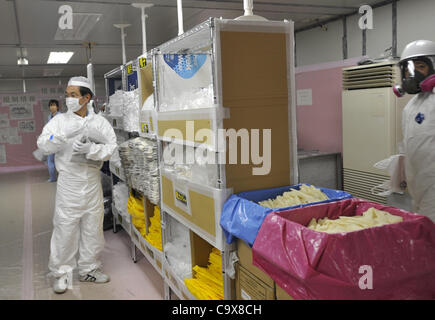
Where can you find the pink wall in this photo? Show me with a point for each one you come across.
(319, 125)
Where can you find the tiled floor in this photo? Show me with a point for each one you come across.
(26, 213)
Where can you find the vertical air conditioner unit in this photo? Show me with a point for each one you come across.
(371, 120)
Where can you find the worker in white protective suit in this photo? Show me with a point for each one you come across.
(418, 123)
(81, 141)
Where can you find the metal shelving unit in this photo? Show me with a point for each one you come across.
(213, 43)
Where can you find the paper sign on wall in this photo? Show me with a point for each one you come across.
(6, 100)
(13, 131)
(4, 135)
(18, 112)
(2, 154)
(15, 140)
(304, 97)
(4, 123)
(26, 126)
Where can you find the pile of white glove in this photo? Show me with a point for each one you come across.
(199, 172)
(131, 111)
(120, 197)
(140, 163)
(306, 194)
(177, 250)
(193, 99)
(116, 104)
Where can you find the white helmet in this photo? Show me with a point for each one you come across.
(418, 48)
(414, 81)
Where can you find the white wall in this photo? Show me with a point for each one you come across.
(415, 20)
(315, 44)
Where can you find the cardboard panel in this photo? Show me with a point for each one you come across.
(152, 124)
(254, 67)
(240, 176)
(255, 89)
(202, 207)
(164, 125)
(200, 250)
(149, 213)
(249, 287)
(146, 82)
(203, 212)
(244, 252)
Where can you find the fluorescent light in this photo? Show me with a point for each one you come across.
(59, 57)
(22, 61)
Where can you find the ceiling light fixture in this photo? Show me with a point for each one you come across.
(22, 61)
(59, 57)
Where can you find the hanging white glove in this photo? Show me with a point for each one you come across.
(82, 147)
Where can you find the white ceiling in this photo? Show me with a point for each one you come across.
(30, 26)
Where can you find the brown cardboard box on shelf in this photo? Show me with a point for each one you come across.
(249, 287)
(257, 97)
(244, 252)
(200, 251)
(149, 213)
(146, 82)
(281, 294)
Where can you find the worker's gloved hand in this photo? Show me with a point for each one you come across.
(82, 147)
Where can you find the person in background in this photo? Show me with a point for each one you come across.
(54, 111)
(82, 141)
(417, 64)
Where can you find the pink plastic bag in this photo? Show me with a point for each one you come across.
(397, 261)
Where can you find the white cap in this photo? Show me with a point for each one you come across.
(417, 49)
(80, 82)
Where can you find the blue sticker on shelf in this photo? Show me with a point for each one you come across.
(185, 65)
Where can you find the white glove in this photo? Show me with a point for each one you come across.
(82, 147)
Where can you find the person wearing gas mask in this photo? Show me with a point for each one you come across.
(417, 64)
(81, 140)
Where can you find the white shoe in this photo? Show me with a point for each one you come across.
(60, 284)
(95, 276)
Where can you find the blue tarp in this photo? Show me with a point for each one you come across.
(242, 216)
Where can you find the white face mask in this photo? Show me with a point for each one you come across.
(73, 104)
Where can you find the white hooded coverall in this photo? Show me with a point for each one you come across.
(79, 208)
(418, 125)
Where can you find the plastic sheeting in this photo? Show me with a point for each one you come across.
(395, 261)
(177, 248)
(242, 216)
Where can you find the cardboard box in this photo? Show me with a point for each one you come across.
(149, 213)
(197, 206)
(281, 294)
(249, 287)
(244, 252)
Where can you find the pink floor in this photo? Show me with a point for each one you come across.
(26, 212)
